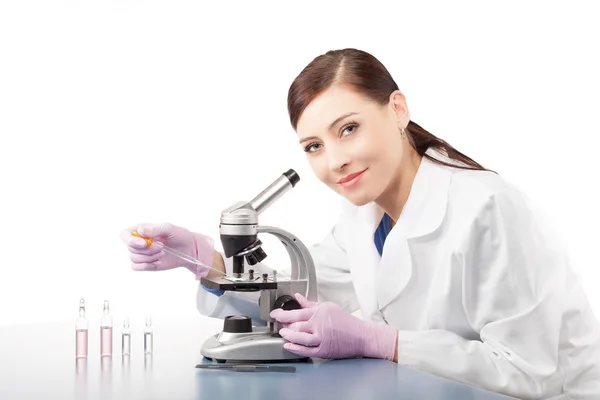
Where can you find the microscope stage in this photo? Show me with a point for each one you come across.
(222, 283)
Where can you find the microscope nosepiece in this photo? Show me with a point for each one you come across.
(256, 256)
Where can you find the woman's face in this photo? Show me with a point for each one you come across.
(354, 145)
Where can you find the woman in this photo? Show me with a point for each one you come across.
(451, 268)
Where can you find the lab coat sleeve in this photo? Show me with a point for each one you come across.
(334, 282)
(512, 292)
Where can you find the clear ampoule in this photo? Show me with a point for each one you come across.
(126, 338)
(106, 328)
(81, 332)
(148, 336)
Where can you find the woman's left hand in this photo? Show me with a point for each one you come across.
(325, 330)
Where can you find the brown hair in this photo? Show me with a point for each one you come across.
(366, 74)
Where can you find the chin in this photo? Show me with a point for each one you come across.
(359, 199)
(359, 203)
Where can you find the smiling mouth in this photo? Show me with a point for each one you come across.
(351, 180)
(351, 177)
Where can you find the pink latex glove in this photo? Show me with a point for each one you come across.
(325, 330)
(152, 258)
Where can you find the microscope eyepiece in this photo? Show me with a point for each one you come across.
(292, 176)
(275, 190)
(239, 223)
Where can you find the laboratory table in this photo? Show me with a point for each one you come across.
(37, 361)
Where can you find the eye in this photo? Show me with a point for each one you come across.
(311, 148)
(349, 128)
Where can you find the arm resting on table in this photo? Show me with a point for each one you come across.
(515, 297)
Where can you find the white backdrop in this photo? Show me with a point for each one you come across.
(119, 112)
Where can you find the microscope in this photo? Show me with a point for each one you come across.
(239, 340)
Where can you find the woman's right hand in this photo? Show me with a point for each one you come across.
(153, 258)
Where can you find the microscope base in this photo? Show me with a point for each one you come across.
(260, 345)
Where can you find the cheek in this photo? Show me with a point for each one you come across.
(318, 167)
(386, 166)
(389, 150)
(372, 145)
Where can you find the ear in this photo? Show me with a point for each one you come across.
(400, 108)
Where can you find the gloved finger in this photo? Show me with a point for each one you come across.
(302, 350)
(304, 303)
(154, 230)
(132, 241)
(143, 258)
(284, 316)
(300, 326)
(286, 325)
(148, 251)
(146, 266)
(303, 338)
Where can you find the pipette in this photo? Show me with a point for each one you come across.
(174, 252)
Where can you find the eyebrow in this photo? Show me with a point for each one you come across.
(330, 125)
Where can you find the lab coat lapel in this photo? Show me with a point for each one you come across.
(365, 260)
(422, 214)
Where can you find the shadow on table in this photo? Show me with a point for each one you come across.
(347, 379)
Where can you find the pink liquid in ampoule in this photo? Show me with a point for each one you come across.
(106, 332)
(106, 340)
(81, 332)
(81, 340)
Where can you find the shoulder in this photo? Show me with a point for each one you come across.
(472, 187)
(485, 201)
(492, 207)
(480, 189)
(482, 184)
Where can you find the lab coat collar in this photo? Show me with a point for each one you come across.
(422, 214)
(425, 207)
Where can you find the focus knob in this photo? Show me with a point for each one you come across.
(287, 302)
(237, 324)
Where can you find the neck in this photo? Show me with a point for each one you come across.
(393, 199)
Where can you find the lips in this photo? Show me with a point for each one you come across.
(348, 178)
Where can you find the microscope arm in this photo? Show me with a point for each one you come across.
(302, 265)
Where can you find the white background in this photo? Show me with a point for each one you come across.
(119, 112)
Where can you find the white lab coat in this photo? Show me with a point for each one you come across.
(479, 289)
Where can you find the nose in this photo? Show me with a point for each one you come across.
(337, 158)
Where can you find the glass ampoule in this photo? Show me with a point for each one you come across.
(148, 336)
(81, 332)
(106, 328)
(126, 338)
